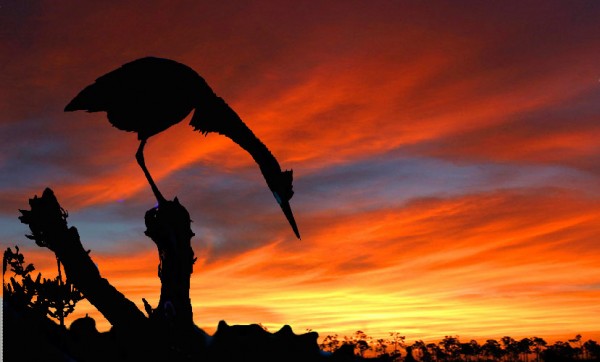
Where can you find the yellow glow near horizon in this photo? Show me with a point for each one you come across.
(434, 285)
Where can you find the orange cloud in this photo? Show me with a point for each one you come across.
(497, 84)
(476, 265)
(317, 101)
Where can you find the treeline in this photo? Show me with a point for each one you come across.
(451, 349)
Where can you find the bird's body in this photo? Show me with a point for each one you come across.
(146, 96)
(149, 95)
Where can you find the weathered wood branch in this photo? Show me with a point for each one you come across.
(48, 223)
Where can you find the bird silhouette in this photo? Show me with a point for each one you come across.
(149, 95)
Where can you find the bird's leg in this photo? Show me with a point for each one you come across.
(139, 156)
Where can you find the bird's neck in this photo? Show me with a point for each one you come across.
(215, 115)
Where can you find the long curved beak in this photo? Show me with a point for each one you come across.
(287, 210)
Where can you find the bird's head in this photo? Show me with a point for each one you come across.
(281, 186)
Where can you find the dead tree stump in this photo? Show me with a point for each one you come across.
(169, 226)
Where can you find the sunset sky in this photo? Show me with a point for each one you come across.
(446, 159)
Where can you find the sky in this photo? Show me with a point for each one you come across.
(446, 159)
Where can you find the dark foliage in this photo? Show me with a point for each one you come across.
(452, 349)
(53, 297)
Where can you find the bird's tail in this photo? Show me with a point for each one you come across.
(89, 99)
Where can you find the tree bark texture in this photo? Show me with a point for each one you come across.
(169, 227)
